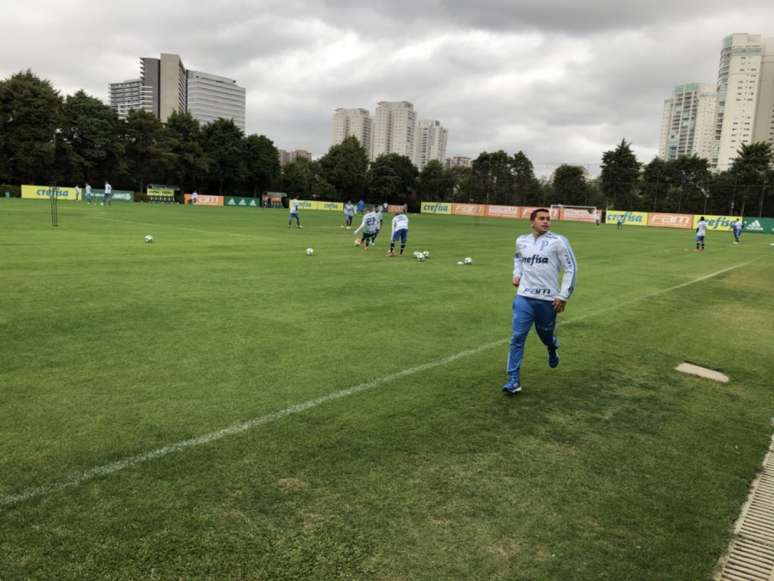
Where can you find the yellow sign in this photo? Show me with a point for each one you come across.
(44, 193)
(332, 206)
(307, 205)
(436, 208)
(629, 218)
(161, 192)
(716, 222)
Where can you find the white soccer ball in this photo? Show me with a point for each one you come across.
(426, 253)
(310, 251)
(421, 257)
(468, 260)
(417, 254)
(148, 239)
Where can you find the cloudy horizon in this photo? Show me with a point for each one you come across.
(562, 81)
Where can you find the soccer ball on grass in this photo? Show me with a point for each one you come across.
(310, 251)
(468, 260)
(148, 239)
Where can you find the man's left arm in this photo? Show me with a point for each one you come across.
(569, 268)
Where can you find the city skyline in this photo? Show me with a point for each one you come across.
(562, 81)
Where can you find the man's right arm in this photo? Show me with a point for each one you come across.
(518, 269)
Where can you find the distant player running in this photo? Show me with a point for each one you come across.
(349, 213)
(293, 206)
(539, 258)
(701, 232)
(736, 228)
(399, 232)
(370, 228)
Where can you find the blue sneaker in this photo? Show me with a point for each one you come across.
(553, 358)
(512, 387)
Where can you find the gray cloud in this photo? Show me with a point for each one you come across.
(562, 80)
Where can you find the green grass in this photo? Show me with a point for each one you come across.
(612, 466)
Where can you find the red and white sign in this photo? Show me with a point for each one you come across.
(205, 200)
(503, 212)
(579, 214)
(670, 220)
(468, 210)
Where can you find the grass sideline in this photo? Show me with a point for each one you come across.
(612, 466)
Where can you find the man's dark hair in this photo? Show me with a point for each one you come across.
(535, 213)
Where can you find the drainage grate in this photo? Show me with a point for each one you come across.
(751, 554)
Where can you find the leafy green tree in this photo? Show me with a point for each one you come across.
(752, 169)
(570, 185)
(464, 186)
(435, 183)
(525, 184)
(148, 148)
(392, 177)
(691, 177)
(495, 183)
(345, 166)
(225, 147)
(261, 162)
(656, 183)
(30, 115)
(620, 176)
(191, 163)
(297, 177)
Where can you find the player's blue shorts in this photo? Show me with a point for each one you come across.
(699, 238)
(401, 235)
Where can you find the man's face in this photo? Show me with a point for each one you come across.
(542, 222)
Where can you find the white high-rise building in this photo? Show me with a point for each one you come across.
(745, 108)
(431, 138)
(165, 87)
(394, 129)
(128, 95)
(688, 124)
(348, 122)
(211, 97)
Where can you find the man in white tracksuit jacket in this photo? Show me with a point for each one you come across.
(540, 257)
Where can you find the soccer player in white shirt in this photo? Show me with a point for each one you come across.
(349, 213)
(701, 232)
(399, 232)
(107, 196)
(736, 228)
(293, 206)
(370, 228)
(539, 258)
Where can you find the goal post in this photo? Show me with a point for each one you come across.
(576, 213)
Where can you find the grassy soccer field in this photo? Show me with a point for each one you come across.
(116, 355)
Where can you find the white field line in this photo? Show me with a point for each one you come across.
(79, 478)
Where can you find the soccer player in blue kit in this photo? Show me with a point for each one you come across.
(540, 257)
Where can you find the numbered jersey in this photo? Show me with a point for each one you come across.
(370, 223)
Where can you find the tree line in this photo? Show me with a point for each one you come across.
(48, 139)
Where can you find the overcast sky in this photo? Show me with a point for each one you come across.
(562, 80)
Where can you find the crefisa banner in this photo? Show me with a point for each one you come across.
(629, 218)
(46, 192)
(716, 222)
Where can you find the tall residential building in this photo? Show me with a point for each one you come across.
(745, 109)
(458, 161)
(431, 139)
(688, 124)
(211, 97)
(163, 88)
(348, 122)
(128, 95)
(394, 129)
